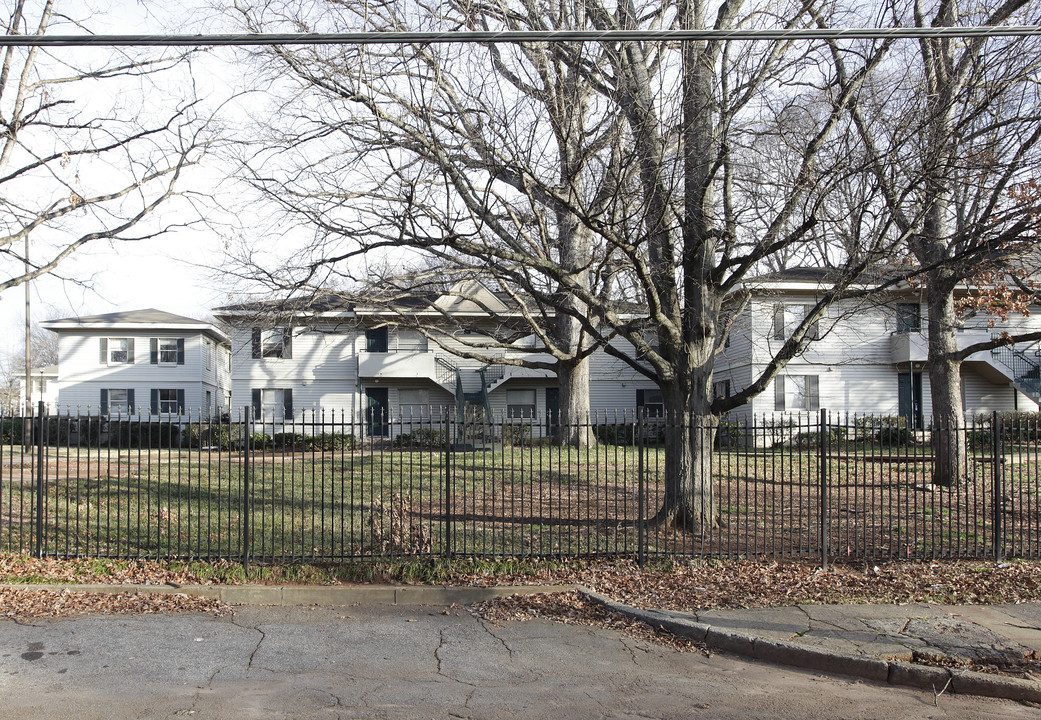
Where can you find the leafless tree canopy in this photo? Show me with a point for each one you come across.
(628, 187)
(92, 143)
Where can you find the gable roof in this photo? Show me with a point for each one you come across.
(149, 319)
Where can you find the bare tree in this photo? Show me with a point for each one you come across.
(951, 136)
(80, 163)
(405, 156)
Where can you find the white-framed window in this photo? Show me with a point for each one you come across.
(721, 388)
(413, 403)
(651, 403)
(117, 351)
(797, 393)
(118, 402)
(520, 403)
(168, 400)
(167, 351)
(272, 403)
(273, 342)
(788, 317)
(208, 352)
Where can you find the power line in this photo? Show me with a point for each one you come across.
(513, 36)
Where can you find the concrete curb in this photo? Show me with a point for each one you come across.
(893, 672)
(331, 595)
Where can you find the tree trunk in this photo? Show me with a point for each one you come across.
(948, 420)
(573, 425)
(690, 500)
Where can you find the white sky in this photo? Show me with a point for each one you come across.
(165, 272)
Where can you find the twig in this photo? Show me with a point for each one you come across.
(936, 695)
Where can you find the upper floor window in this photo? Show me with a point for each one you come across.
(167, 351)
(117, 351)
(377, 340)
(721, 388)
(273, 343)
(208, 352)
(908, 317)
(788, 317)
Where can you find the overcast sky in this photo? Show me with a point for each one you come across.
(168, 272)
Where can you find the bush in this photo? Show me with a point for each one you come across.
(139, 434)
(421, 439)
(895, 436)
(260, 441)
(331, 442)
(205, 435)
(294, 442)
(626, 433)
(1016, 427)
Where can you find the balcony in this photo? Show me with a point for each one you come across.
(914, 346)
(409, 364)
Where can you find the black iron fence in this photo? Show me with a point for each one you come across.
(326, 487)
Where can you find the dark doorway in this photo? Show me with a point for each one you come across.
(910, 389)
(377, 408)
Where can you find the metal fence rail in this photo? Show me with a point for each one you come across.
(326, 487)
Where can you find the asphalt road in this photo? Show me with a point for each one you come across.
(410, 662)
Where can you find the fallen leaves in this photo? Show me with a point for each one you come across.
(27, 603)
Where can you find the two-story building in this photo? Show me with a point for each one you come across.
(141, 362)
(868, 357)
(345, 359)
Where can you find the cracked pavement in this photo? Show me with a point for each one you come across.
(422, 662)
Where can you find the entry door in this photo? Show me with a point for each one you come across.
(552, 410)
(910, 389)
(377, 409)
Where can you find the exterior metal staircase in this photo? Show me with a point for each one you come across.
(1024, 367)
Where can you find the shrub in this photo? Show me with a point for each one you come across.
(330, 442)
(11, 430)
(205, 435)
(895, 436)
(140, 434)
(293, 442)
(260, 441)
(421, 439)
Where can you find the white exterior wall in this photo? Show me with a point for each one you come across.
(83, 375)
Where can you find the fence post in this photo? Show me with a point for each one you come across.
(998, 503)
(640, 501)
(448, 483)
(40, 475)
(823, 502)
(247, 458)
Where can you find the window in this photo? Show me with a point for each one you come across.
(117, 351)
(520, 403)
(414, 403)
(167, 401)
(908, 317)
(651, 403)
(721, 389)
(796, 392)
(788, 317)
(208, 352)
(166, 351)
(273, 343)
(377, 340)
(273, 403)
(117, 402)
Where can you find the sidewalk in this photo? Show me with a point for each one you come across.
(875, 642)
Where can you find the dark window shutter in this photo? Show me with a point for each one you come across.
(180, 351)
(104, 402)
(180, 402)
(287, 403)
(155, 401)
(130, 351)
(813, 333)
(779, 322)
(103, 346)
(779, 392)
(813, 396)
(130, 401)
(639, 402)
(153, 351)
(256, 342)
(287, 342)
(256, 404)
